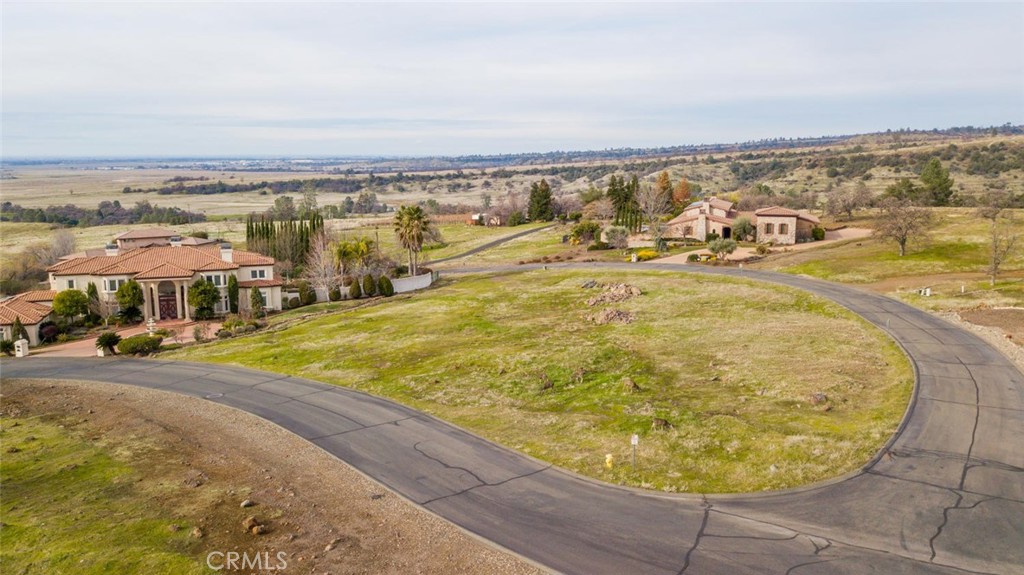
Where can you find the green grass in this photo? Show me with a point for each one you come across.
(71, 506)
(957, 244)
(730, 363)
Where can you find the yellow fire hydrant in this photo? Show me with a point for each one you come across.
(608, 461)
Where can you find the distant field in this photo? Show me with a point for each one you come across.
(714, 357)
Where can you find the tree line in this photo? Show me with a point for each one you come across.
(105, 214)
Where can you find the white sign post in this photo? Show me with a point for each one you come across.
(634, 441)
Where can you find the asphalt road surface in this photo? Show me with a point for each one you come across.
(946, 496)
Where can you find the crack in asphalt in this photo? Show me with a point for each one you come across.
(945, 520)
(700, 534)
(361, 426)
(974, 430)
(497, 484)
(943, 487)
(416, 447)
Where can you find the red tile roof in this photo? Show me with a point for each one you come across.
(36, 296)
(777, 211)
(29, 312)
(780, 212)
(153, 261)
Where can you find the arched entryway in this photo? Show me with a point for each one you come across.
(726, 232)
(168, 300)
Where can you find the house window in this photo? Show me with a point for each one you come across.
(687, 231)
(71, 284)
(783, 229)
(215, 279)
(258, 274)
(112, 285)
(769, 228)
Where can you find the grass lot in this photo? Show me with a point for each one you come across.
(951, 261)
(715, 357)
(959, 243)
(105, 523)
(457, 238)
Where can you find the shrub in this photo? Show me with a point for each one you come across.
(63, 338)
(200, 332)
(224, 333)
(710, 237)
(294, 303)
(618, 237)
(401, 270)
(232, 321)
(597, 246)
(141, 344)
(7, 346)
(307, 295)
(49, 332)
(129, 315)
(334, 294)
(763, 249)
(516, 219)
(722, 248)
(369, 285)
(693, 258)
(108, 340)
(354, 291)
(644, 255)
(818, 233)
(385, 287)
(585, 232)
(162, 332)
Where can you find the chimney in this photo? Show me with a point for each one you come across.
(176, 241)
(225, 252)
(111, 249)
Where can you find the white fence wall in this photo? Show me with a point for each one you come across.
(421, 281)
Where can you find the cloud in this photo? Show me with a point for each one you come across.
(433, 78)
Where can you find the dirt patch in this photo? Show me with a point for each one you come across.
(209, 459)
(613, 293)
(1010, 320)
(613, 316)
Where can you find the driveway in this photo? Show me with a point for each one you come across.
(86, 347)
(945, 496)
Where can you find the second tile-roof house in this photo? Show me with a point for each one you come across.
(166, 272)
(777, 225)
(31, 308)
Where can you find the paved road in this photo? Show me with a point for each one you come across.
(489, 245)
(946, 497)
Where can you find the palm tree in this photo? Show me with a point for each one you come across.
(352, 252)
(411, 225)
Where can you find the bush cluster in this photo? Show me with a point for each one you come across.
(645, 255)
(141, 344)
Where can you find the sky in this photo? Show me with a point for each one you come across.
(334, 79)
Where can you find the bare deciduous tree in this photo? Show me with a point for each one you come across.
(321, 268)
(847, 199)
(602, 209)
(902, 223)
(654, 203)
(1004, 236)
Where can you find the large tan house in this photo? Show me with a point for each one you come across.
(166, 272)
(710, 215)
(776, 225)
